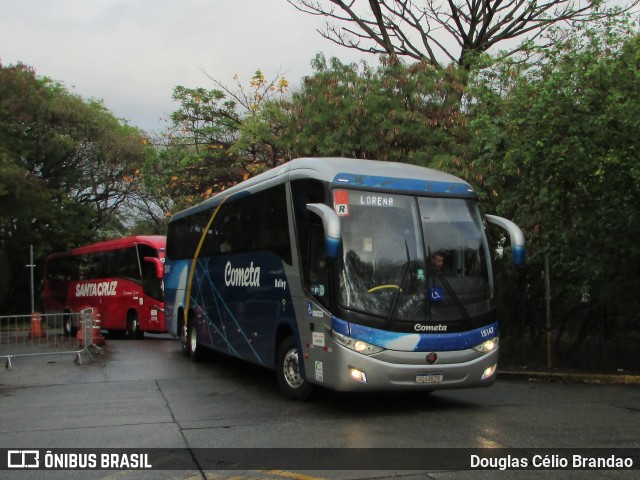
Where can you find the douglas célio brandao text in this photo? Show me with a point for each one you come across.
(551, 461)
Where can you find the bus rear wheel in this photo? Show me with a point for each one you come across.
(290, 378)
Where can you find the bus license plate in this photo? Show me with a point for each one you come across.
(429, 378)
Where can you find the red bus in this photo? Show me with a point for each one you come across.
(122, 278)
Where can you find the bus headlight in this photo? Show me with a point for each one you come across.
(356, 345)
(487, 346)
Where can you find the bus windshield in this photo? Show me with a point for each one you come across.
(413, 259)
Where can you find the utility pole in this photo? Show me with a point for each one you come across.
(32, 266)
(547, 295)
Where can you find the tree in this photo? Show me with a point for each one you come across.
(218, 137)
(557, 147)
(67, 168)
(261, 136)
(393, 112)
(444, 31)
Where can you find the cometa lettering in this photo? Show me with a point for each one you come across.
(97, 289)
(241, 277)
(418, 327)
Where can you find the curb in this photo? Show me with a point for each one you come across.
(571, 377)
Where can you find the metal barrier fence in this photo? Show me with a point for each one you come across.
(45, 334)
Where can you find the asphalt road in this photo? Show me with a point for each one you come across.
(146, 394)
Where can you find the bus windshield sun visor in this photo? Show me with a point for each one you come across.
(331, 224)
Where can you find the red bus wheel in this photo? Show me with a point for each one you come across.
(133, 327)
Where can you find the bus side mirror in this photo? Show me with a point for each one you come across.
(517, 237)
(158, 264)
(331, 224)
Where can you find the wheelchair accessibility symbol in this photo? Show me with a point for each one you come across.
(436, 294)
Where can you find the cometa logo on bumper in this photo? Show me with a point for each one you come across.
(97, 289)
(418, 327)
(241, 277)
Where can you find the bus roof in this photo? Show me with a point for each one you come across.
(349, 173)
(156, 241)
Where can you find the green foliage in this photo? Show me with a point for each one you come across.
(196, 159)
(556, 145)
(395, 112)
(218, 137)
(67, 167)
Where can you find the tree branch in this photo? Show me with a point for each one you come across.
(450, 29)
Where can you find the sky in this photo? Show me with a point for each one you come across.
(132, 53)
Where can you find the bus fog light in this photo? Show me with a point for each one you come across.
(489, 371)
(487, 346)
(358, 375)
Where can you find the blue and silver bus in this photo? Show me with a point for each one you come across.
(353, 275)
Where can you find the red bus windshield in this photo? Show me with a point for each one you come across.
(122, 278)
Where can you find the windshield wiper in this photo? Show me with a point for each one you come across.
(403, 280)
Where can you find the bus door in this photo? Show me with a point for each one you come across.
(152, 310)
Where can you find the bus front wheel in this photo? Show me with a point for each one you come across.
(67, 325)
(133, 327)
(290, 378)
(195, 350)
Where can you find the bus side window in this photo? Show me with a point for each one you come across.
(311, 241)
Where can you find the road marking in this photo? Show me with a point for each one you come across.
(295, 476)
(259, 475)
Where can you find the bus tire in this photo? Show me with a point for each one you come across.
(290, 379)
(133, 327)
(67, 325)
(193, 347)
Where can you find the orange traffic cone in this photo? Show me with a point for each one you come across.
(37, 330)
(96, 336)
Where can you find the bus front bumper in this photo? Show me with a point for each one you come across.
(346, 370)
